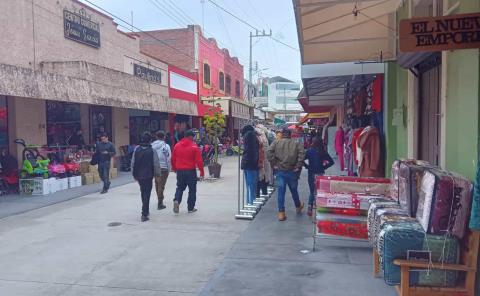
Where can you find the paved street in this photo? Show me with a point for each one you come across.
(68, 249)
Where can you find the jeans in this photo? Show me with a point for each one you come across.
(284, 179)
(145, 191)
(160, 182)
(187, 178)
(104, 172)
(311, 185)
(251, 180)
(262, 188)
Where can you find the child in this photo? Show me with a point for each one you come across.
(318, 161)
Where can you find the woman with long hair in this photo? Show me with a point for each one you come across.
(318, 161)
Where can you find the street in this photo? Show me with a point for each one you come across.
(69, 249)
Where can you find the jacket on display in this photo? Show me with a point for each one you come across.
(371, 164)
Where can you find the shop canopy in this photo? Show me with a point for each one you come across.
(314, 116)
(331, 31)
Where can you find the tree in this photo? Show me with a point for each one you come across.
(214, 127)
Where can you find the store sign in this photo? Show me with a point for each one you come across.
(459, 31)
(147, 74)
(78, 27)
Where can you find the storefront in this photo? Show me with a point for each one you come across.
(142, 121)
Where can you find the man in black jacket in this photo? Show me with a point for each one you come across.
(105, 151)
(250, 160)
(143, 172)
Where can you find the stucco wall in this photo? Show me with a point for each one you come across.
(120, 127)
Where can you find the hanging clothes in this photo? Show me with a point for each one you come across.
(355, 136)
(371, 163)
(339, 143)
(377, 90)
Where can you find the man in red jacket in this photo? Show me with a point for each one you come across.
(186, 158)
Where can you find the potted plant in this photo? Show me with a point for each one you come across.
(214, 128)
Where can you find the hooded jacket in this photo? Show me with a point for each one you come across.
(250, 157)
(186, 156)
(142, 162)
(162, 161)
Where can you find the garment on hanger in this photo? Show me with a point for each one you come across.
(339, 143)
(355, 136)
(371, 163)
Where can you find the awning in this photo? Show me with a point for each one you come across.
(314, 116)
(346, 30)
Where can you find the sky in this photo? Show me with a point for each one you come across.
(273, 59)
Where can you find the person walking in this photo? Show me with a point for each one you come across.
(318, 161)
(186, 157)
(286, 156)
(105, 150)
(143, 171)
(250, 161)
(162, 166)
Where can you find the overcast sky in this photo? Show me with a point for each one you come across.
(229, 32)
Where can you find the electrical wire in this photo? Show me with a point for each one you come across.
(158, 5)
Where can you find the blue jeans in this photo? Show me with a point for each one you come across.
(311, 184)
(251, 180)
(284, 179)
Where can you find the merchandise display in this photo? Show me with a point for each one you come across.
(341, 184)
(341, 225)
(345, 200)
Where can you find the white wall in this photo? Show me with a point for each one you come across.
(274, 93)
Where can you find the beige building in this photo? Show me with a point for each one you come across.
(65, 66)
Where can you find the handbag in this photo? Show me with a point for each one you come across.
(95, 159)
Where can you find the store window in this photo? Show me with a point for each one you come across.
(221, 81)
(3, 123)
(100, 122)
(206, 74)
(228, 85)
(63, 121)
(237, 88)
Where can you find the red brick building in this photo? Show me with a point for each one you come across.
(220, 76)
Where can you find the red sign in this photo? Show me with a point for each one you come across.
(459, 31)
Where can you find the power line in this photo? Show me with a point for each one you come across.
(157, 4)
(250, 25)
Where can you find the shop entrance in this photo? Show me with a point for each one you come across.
(146, 121)
(63, 122)
(100, 122)
(429, 109)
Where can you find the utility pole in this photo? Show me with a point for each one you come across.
(250, 68)
(284, 104)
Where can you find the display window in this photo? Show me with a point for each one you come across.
(100, 122)
(142, 121)
(63, 122)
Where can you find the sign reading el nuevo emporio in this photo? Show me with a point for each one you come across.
(79, 28)
(147, 74)
(459, 31)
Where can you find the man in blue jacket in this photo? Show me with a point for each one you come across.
(105, 150)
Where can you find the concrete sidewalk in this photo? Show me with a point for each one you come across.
(69, 249)
(267, 260)
(14, 204)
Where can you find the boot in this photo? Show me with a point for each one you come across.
(310, 210)
(300, 208)
(282, 216)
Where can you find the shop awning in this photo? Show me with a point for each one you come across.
(332, 31)
(314, 116)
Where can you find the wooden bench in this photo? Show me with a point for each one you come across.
(468, 257)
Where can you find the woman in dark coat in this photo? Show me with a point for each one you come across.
(250, 161)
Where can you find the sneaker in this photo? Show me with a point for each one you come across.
(192, 211)
(103, 191)
(300, 208)
(145, 218)
(176, 207)
(161, 206)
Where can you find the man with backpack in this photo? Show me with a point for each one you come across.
(162, 165)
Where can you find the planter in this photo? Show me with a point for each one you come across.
(214, 170)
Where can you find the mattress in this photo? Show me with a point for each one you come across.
(410, 176)
(462, 206)
(340, 184)
(384, 213)
(340, 211)
(396, 240)
(371, 215)
(346, 200)
(341, 225)
(443, 250)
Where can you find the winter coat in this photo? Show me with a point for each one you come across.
(318, 161)
(163, 157)
(186, 156)
(371, 164)
(250, 156)
(286, 154)
(265, 172)
(339, 140)
(142, 162)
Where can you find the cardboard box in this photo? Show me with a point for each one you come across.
(84, 167)
(25, 186)
(113, 173)
(87, 179)
(53, 185)
(96, 179)
(40, 186)
(63, 183)
(92, 168)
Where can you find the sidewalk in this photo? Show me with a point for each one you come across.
(14, 204)
(266, 260)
